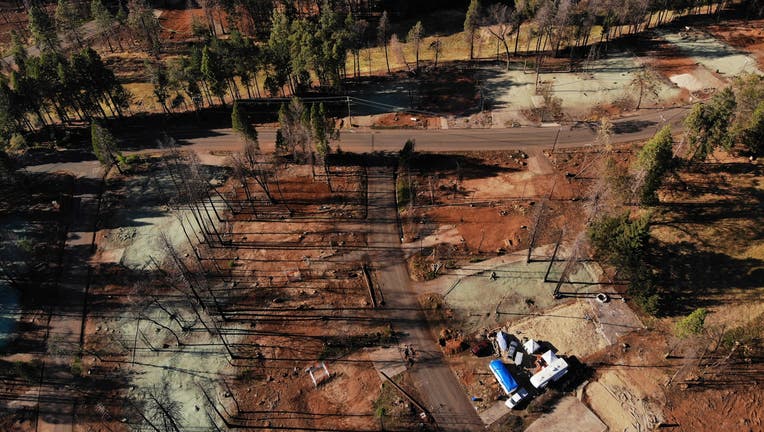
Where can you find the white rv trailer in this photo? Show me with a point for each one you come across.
(555, 368)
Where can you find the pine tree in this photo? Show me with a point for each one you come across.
(279, 49)
(161, 84)
(382, 31)
(105, 146)
(144, 25)
(241, 124)
(753, 134)
(68, 21)
(708, 124)
(210, 68)
(42, 29)
(19, 52)
(318, 128)
(471, 24)
(655, 158)
(415, 36)
(103, 19)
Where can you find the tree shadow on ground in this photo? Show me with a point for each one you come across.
(464, 167)
(694, 278)
(632, 126)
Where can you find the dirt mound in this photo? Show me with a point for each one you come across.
(405, 120)
(177, 23)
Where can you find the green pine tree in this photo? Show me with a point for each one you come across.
(241, 124)
(105, 146)
(655, 158)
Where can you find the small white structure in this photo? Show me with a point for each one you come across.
(555, 368)
(318, 368)
(502, 339)
(531, 346)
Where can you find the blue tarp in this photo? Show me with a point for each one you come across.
(505, 379)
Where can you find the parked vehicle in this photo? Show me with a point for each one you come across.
(482, 348)
(520, 395)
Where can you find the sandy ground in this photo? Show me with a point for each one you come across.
(743, 35)
(518, 290)
(712, 53)
(603, 82)
(621, 404)
(568, 415)
(583, 331)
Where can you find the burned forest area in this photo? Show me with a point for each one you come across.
(376, 215)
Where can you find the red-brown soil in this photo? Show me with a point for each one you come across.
(747, 36)
(405, 120)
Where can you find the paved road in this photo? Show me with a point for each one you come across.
(440, 391)
(204, 142)
(57, 398)
(634, 128)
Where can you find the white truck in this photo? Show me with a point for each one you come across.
(520, 395)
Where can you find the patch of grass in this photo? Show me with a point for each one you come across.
(391, 413)
(28, 371)
(76, 366)
(404, 192)
(746, 335)
(340, 346)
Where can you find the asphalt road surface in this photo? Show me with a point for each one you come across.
(441, 392)
(634, 128)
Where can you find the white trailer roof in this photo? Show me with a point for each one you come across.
(531, 346)
(554, 370)
(549, 357)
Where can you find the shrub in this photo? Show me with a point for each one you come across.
(404, 192)
(17, 143)
(692, 324)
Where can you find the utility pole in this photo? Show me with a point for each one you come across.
(350, 117)
(557, 137)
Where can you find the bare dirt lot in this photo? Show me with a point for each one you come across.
(747, 36)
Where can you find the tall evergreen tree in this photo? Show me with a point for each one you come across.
(68, 20)
(241, 124)
(655, 159)
(19, 52)
(471, 22)
(105, 146)
(161, 83)
(383, 29)
(144, 25)
(213, 74)
(104, 21)
(42, 29)
(415, 36)
(279, 49)
(318, 128)
(708, 124)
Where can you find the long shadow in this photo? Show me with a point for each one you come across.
(465, 167)
(696, 278)
(632, 126)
